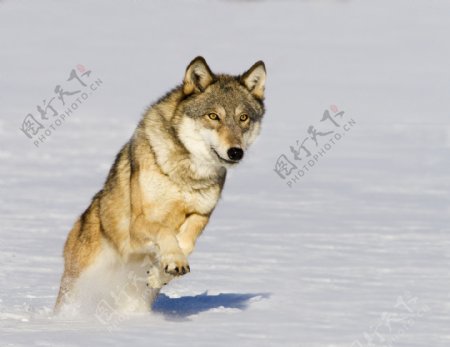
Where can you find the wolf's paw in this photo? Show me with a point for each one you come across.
(156, 279)
(175, 264)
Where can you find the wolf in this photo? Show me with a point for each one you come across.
(139, 229)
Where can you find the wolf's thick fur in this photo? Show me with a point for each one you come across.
(163, 186)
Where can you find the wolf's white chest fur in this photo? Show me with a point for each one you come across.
(201, 201)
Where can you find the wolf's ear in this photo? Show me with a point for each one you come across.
(198, 76)
(255, 79)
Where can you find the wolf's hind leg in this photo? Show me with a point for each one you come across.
(64, 290)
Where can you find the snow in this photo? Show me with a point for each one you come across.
(320, 263)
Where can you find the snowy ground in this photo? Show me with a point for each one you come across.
(360, 244)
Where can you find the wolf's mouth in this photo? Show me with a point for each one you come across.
(222, 159)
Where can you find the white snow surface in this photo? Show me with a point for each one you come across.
(320, 263)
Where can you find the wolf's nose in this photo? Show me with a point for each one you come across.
(235, 153)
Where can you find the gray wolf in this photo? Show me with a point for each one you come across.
(162, 188)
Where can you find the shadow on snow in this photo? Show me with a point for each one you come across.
(190, 305)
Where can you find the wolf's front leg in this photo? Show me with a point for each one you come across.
(171, 262)
(157, 277)
(172, 259)
(190, 231)
(184, 241)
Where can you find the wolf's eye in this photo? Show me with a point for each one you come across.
(243, 117)
(213, 116)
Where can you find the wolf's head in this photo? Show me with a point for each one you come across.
(220, 115)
